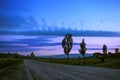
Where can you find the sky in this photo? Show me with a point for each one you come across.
(23, 22)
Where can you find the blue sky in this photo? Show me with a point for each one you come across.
(23, 22)
(25, 15)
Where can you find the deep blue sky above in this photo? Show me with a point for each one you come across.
(52, 15)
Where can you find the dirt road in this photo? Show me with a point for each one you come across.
(48, 71)
(34, 70)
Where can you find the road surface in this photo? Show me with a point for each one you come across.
(34, 70)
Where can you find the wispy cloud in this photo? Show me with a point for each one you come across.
(18, 49)
(22, 25)
(17, 23)
(27, 45)
(62, 32)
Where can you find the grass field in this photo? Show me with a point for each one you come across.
(109, 62)
(9, 66)
(5, 62)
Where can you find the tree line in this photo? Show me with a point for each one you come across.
(67, 44)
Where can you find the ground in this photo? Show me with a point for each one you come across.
(34, 70)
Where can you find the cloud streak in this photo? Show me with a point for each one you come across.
(22, 25)
(17, 23)
(40, 43)
(62, 32)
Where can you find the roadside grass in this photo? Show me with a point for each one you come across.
(110, 63)
(9, 66)
(95, 62)
(61, 61)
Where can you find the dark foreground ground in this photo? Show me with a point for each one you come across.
(34, 70)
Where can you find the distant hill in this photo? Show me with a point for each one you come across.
(64, 56)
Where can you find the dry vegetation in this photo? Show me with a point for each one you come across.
(5, 62)
(109, 62)
(8, 67)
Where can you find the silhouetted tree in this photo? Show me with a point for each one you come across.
(116, 50)
(32, 55)
(67, 44)
(109, 53)
(104, 49)
(27, 55)
(16, 55)
(97, 54)
(83, 48)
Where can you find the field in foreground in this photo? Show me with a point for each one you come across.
(8, 67)
(18, 69)
(35, 70)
